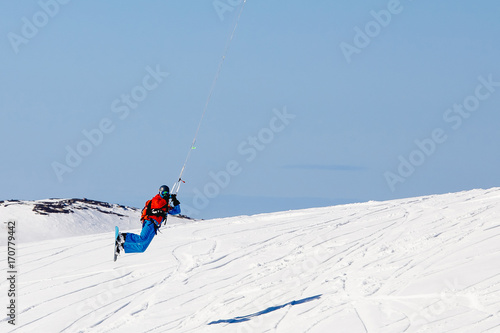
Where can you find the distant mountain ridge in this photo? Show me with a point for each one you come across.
(58, 218)
(66, 206)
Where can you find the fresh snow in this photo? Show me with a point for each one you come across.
(75, 217)
(427, 264)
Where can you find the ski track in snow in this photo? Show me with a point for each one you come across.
(426, 264)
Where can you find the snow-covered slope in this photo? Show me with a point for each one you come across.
(56, 218)
(428, 264)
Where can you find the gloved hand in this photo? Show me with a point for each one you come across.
(175, 202)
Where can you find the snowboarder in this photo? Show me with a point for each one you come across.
(153, 214)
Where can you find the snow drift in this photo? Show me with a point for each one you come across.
(428, 264)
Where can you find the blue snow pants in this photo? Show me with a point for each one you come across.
(139, 243)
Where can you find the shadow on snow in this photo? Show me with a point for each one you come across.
(270, 309)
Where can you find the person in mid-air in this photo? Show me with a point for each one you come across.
(153, 214)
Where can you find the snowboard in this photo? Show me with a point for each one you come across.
(117, 232)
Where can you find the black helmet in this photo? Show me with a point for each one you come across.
(164, 191)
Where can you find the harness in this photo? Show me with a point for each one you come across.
(157, 212)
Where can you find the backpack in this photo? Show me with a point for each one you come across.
(146, 211)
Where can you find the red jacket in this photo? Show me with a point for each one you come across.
(155, 210)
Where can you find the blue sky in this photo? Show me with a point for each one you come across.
(317, 103)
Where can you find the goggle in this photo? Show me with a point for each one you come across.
(164, 194)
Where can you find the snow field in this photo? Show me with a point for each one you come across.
(426, 264)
